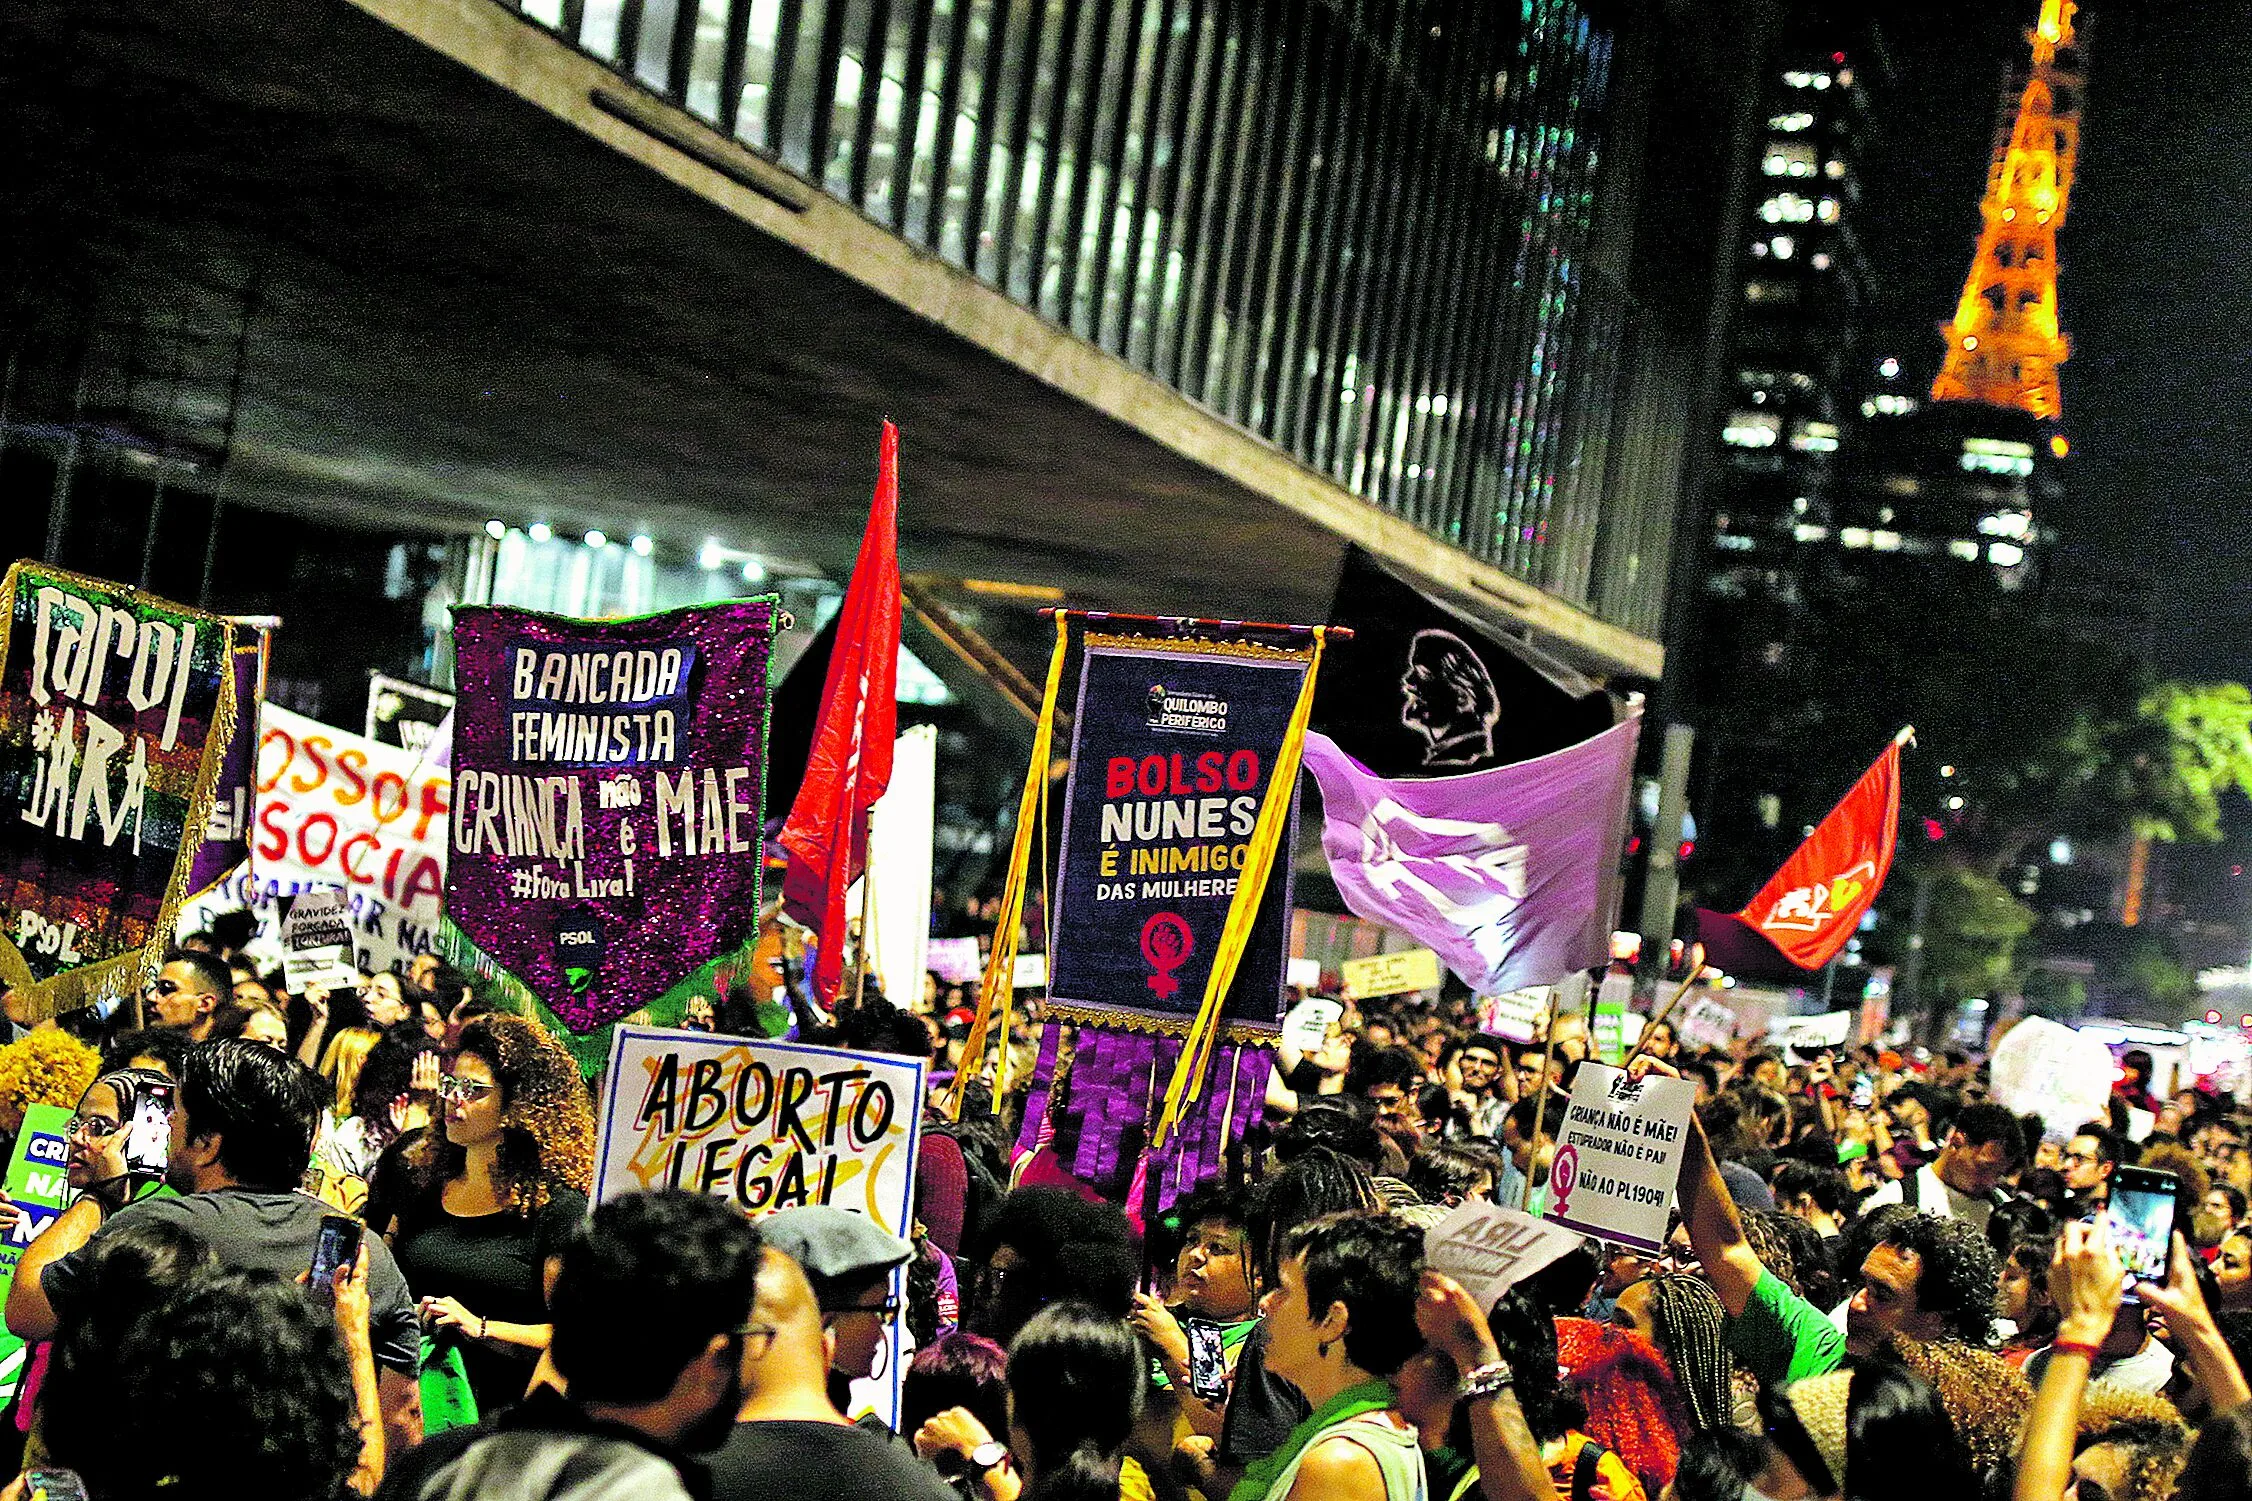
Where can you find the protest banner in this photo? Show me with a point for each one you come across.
(1391, 974)
(115, 712)
(1517, 1015)
(38, 1183)
(337, 810)
(317, 947)
(383, 936)
(226, 832)
(766, 1126)
(1174, 743)
(956, 961)
(1618, 1154)
(1490, 1249)
(405, 713)
(2062, 1075)
(1616, 1030)
(1307, 1025)
(609, 778)
(1707, 1024)
(1828, 1030)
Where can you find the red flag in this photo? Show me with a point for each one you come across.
(826, 833)
(1810, 907)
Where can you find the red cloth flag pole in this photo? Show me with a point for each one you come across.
(826, 834)
(1814, 904)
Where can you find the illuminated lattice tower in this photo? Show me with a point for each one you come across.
(2003, 347)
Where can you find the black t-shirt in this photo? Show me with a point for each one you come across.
(492, 1264)
(820, 1462)
(260, 1232)
(1262, 1409)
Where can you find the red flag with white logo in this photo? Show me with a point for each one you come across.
(826, 834)
(1810, 907)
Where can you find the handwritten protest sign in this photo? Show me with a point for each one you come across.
(1518, 1015)
(1489, 1249)
(317, 948)
(1829, 1030)
(1707, 1024)
(337, 810)
(1307, 1025)
(766, 1126)
(610, 776)
(1618, 1154)
(37, 1182)
(1392, 974)
(115, 710)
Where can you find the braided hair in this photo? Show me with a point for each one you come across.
(1686, 1315)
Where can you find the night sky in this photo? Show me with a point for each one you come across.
(2155, 287)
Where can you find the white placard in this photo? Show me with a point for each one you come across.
(1307, 1026)
(1031, 972)
(1489, 1249)
(1707, 1024)
(317, 946)
(767, 1126)
(1618, 1154)
(1303, 973)
(1517, 1015)
(1829, 1030)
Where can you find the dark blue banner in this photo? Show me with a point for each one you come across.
(1171, 756)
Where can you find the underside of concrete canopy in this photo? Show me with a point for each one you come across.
(416, 263)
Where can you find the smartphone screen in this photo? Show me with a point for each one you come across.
(2141, 1217)
(1208, 1361)
(53, 1485)
(148, 1136)
(338, 1245)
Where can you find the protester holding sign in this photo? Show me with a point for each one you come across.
(493, 1192)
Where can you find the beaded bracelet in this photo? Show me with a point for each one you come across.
(1487, 1381)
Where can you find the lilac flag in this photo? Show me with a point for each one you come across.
(1508, 874)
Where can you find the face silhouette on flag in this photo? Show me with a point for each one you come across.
(1422, 690)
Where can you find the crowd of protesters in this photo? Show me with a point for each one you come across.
(1879, 1284)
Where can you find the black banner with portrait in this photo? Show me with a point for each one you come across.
(1423, 690)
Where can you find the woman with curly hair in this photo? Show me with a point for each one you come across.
(492, 1190)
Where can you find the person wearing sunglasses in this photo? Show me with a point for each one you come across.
(187, 992)
(103, 1180)
(849, 1260)
(488, 1195)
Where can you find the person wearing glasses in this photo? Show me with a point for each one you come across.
(103, 1181)
(187, 991)
(789, 1438)
(489, 1195)
(849, 1260)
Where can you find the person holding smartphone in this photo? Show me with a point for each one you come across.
(107, 1169)
(1213, 1309)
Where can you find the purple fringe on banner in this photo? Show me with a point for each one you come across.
(1117, 1085)
(1043, 1085)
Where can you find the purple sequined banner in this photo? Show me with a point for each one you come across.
(608, 781)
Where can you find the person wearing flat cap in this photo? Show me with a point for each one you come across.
(849, 1259)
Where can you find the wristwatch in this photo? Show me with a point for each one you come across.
(989, 1455)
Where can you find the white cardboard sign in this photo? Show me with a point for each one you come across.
(1618, 1154)
(317, 943)
(1489, 1249)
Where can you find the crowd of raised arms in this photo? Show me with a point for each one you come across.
(1879, 1284)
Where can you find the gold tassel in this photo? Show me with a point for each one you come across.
(1266, 836)
(998, 990)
